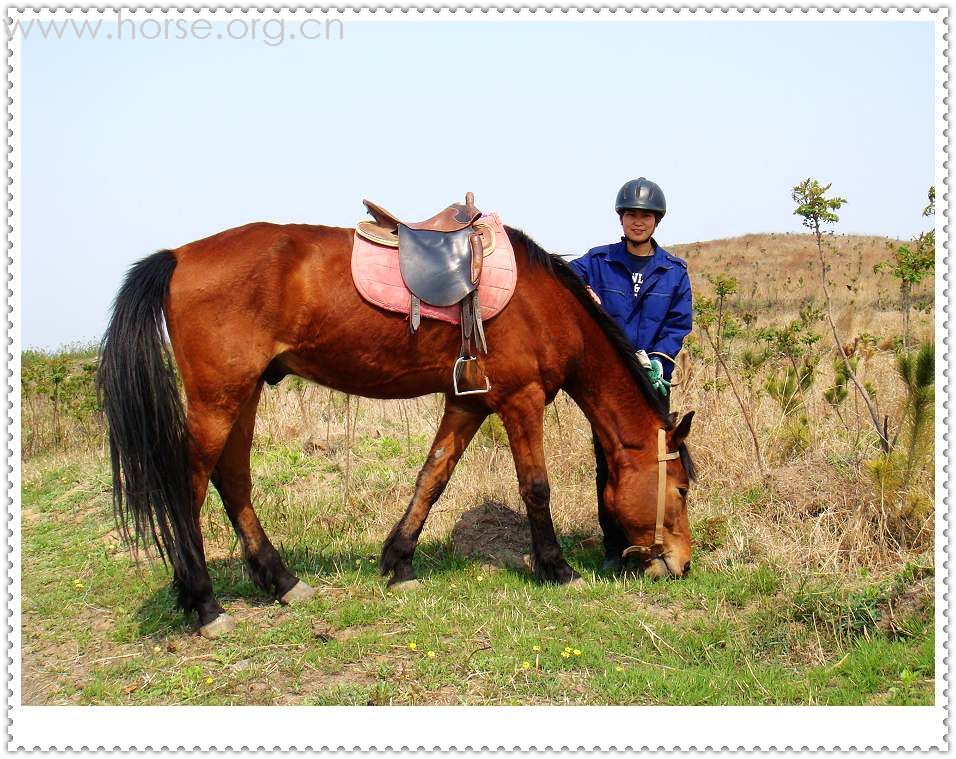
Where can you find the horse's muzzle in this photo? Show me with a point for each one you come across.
(665, 566)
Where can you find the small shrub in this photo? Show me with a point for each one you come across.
(794, 437)
(789, 387)
(789, 390)
(838, 392)
(896, 473)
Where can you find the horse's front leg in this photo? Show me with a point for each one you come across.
(614, 539)
(523, 417)
(458, 426)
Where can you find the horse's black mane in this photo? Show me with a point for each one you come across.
(564, 274)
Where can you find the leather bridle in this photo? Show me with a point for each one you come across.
(657, 548)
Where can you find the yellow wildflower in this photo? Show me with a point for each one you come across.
(412, 646)
(536, 648)
(430, 654)
(577, 652)
(619, 668)
(208, 681)
(525, 665)
(566, 654)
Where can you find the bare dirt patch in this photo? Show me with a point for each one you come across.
(314, 682)
(50, 666)
(493, 533)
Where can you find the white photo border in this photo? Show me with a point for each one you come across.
(480, 728)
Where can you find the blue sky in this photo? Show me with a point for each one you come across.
(133, 146)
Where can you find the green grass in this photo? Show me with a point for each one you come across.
(100, 629)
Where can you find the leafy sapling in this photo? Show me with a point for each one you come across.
(910, 263)
(818, 211)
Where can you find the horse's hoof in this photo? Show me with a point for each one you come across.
(404, 586)
(299, 592)
(221, 625)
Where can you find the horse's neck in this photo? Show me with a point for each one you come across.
(601, 383)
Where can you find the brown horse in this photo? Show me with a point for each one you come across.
(252, 304)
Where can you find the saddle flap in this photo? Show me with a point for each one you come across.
(436, 266)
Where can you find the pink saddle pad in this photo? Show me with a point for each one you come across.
(378, 279)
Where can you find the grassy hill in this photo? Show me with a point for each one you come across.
(779, 271)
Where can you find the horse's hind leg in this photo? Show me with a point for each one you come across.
(523, 417)
(208, 429)
(458, 426)
(233, 480)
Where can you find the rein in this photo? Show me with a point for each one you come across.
(657, 548)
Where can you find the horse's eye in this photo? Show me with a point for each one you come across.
(683, 492)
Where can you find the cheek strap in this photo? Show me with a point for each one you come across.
(662, 458)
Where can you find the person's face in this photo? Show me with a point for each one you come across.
(638, 225)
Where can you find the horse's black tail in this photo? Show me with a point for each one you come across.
(149, 442)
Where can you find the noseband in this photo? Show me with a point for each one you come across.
(655, 550)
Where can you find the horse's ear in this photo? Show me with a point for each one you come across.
(682, 430)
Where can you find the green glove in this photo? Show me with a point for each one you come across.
(655, 371)
(656, 374)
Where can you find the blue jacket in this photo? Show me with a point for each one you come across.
(660, 316)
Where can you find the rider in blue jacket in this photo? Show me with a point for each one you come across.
(641, 285)
(647, 292)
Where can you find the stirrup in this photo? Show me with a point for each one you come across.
(454, 378)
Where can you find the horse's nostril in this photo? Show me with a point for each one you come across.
(687, 568)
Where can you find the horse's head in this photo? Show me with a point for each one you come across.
(648, 498)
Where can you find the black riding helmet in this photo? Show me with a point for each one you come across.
(641, 194)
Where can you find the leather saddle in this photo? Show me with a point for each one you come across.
(440, 261)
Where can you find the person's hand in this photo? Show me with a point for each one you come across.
(593, 295)
(657, 370)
